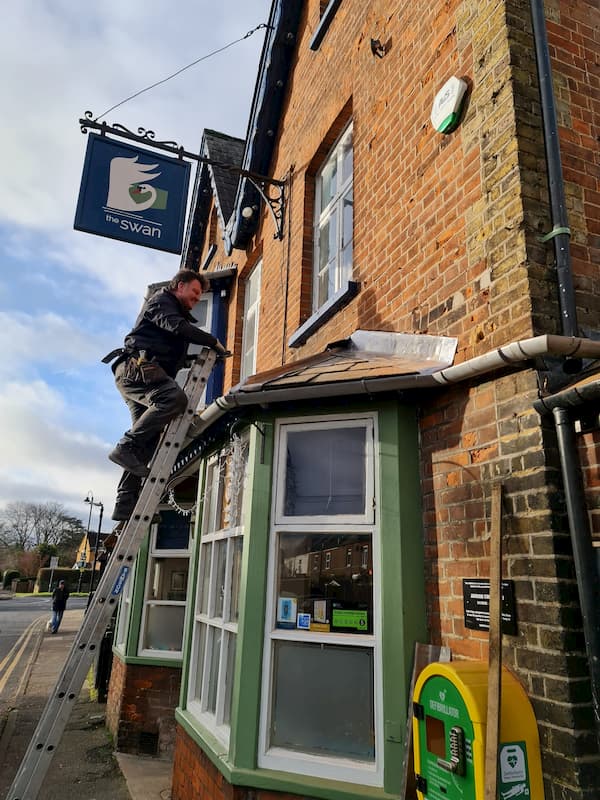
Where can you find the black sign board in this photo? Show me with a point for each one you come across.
(476, 600)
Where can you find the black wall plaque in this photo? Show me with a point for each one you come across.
(476, 600)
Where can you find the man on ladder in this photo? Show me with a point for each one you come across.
(145, 369)
(153, 351)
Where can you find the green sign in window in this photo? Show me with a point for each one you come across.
(350, 619)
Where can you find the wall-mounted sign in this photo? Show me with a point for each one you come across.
(132, 194)
(476, 600)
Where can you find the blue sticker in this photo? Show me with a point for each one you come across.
(120, 582)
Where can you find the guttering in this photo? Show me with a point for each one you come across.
(513, 354)
(560, 233)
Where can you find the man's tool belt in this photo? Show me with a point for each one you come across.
(139, 367)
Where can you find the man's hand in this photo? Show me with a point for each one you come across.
(221, 351)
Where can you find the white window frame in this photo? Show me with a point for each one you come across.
(309, 523)
(198, 707)
(251, 310)
(277, 758)
(154, 553)
(341, 274)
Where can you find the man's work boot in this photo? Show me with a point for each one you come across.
(124, 456)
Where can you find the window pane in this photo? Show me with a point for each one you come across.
(212, 498)
(219, 577)
(201, 634)
(332, 484)
(253, 286)
(231, 643)
(173, 531)
(347, 217)
(347, 158)
(326, 284)
(328, 578)
(205, 577)
(250, 326)
(213, 675)
(164, 627)
(236, 571)
(329, 181)
(323, 700)
(168, 579)
(328, 240)
(201, 312)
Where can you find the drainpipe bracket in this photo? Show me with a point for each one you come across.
(557, 230)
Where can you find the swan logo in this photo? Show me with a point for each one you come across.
(133, 194)
(129, 187)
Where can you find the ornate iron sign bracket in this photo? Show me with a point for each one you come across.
(262, 183)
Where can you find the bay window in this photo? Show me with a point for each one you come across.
(321, 702)
(165, 594)
(218, 594)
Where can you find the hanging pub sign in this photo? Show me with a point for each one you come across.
(132, 194)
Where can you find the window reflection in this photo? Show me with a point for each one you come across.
(325, 582)
(332, 484)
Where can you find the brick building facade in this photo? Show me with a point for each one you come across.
(390, 227)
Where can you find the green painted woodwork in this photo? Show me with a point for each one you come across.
(137, 599)
(245, 705)
(402, 605)
(403, 599)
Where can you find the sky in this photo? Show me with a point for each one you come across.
(68, 297)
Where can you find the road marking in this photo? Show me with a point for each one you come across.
(13, 657)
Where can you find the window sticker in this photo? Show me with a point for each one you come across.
(304, 622)
(286, 612)
(342, 618)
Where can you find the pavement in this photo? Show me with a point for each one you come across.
(85, 766)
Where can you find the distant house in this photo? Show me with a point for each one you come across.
(84, 558)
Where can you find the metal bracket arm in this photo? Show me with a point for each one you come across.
(148, 137)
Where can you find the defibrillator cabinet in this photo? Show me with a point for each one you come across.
(449, 726)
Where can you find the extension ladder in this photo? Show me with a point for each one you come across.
(55, 716)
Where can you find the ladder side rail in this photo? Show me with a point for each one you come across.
(35, 763)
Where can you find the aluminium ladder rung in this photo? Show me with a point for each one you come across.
(36, 761)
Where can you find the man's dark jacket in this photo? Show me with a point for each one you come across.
(59, 598)
(164, 328)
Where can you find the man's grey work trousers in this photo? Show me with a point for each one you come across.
(152, 406)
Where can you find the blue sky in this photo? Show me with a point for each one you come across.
(67, 297)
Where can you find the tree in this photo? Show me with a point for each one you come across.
(27, 526)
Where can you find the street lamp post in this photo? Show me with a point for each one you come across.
(90, 499)
(96, 545)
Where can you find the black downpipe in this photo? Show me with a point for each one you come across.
(560, 221)
(586, 567)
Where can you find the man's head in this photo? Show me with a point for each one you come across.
(62, 584)
(187, 286)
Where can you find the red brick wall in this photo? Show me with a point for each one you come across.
(589, 454)
(141, 707)
(574, 39)
(446, 242)
(194, 776)
(438, 245)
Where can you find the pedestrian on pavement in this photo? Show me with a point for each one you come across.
(145, 369)
(59, 602)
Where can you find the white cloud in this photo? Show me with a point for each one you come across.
(43, 338)
(69, 297)
(66, 60)
(44, 455)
